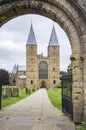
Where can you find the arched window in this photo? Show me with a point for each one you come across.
(43, 70)
(31, 81)
(54, 81)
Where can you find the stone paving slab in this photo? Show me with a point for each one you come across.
(34, 113)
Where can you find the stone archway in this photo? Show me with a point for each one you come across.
(71, 17)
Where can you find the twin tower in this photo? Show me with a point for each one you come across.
(42, 71)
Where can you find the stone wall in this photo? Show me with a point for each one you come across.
(21, 82)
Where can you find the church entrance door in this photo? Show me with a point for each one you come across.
(43, 84)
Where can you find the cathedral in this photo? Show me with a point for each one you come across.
(40, 71)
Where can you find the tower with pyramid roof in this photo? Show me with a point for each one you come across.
(42, 71)
(31, 59)
(53, 55)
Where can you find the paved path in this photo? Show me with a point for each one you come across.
(34, 113)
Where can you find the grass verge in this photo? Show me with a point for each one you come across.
(11, 100)
(55, 97)
(81, 126)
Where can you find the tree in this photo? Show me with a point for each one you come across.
(69, 69)
(4, 77)
(63, 73)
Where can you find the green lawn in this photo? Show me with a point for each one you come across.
(81, 127)
(55, 97)
(12, 100)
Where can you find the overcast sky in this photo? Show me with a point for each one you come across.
(13, 38)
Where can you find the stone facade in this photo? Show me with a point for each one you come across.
(35, 62)
(21, 78)
(71, 15)
(50, 78)
(40, 71)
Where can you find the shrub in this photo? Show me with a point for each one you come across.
(59, 86)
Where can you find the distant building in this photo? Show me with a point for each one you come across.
(40, 71)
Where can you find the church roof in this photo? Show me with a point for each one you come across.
(31, 38)
(18, 68)
(53, 38)
(21, 68)
(22, 76)
(14, 71)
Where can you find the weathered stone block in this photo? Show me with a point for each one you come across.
(76, 78)
(77, 90)
(9, 91)
(15, 92)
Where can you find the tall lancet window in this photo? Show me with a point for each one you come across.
(43, 70)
